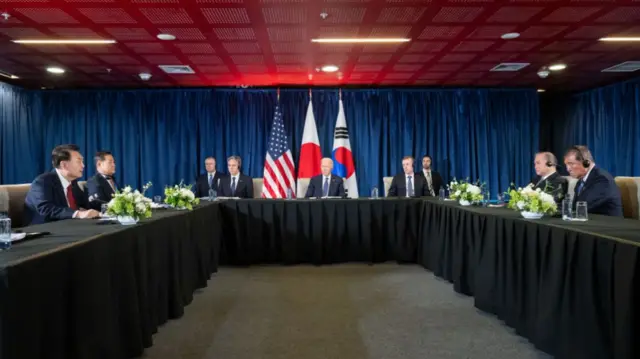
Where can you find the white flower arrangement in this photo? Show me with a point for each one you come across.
(180, 196)
(532, 200)
(465, 191)
(130, 203)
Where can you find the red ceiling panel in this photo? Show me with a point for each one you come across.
(266, 42)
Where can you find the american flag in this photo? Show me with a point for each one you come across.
(279, 169)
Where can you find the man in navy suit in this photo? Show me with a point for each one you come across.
(595, 185)
(407, 184)
(102, 186)
(325, 184)
(209, 180)
(236, 184)
(56, 195)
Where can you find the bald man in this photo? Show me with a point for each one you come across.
(547, 179)
(326, 184)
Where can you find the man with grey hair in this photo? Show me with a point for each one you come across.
(236, 184)
(325, 184)
(547, 179)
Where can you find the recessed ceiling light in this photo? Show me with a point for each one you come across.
(541, 90)
(510, 36)
(557, 67)
(55, 70)
(8, 75)
(64, 42)
(360, 40)
(330, 68)
(620, 39)
(166, 37)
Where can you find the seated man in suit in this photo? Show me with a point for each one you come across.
(595, 185)
(236, 184)
(209, 180)
(325, 184)
(102, 186)
(547, 179)
(433, 178)
(407, 184)
(56, 195)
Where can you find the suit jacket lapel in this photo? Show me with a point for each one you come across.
(590, 180)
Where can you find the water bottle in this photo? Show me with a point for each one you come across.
(212, 194)
(289, 193)
(5, 233)
(374, 193)
(567, 203)
(442, 195)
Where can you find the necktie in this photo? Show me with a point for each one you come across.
(325, 188)
(233, 186)
(579, 187)
(71, 199)
(409, 187)
(430, 183)
(210, 179)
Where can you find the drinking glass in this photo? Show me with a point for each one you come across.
(5, 233)
(581, 211)
(374, 193)
(441, 195)
(212, 194)
(157, 199)
(566, 209)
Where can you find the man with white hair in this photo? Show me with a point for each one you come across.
(547, 178)
(325, 184)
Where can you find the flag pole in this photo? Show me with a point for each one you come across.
(278, 95)
(340, 94)
(310, 94)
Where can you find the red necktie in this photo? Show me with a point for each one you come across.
(71, 199)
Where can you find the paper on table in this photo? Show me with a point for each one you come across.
(17, 236)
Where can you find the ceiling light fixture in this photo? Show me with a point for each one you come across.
(620, 39)
(55, 70)
(8, 75)
(330, 68)
(64, 42)
(557, 67)
(510, 36)
(166, 37)
(360, 40)
(541, 90)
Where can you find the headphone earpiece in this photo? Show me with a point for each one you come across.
(585, 162)
(550, 164)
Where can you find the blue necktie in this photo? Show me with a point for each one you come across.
(210, 180)
(409, 187)
(233, 186)
(325, 187)
(579, 187)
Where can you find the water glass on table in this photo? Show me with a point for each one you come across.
(5, 233)
(212, 194)
(582, 213)
(566, 209)
(103, 209)
(374, 193)
(157, 199)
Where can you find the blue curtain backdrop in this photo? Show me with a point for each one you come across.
(606, 119)
(163, 136)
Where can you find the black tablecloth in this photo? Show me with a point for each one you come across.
(320, 231)
(100, 291)
(571, 288)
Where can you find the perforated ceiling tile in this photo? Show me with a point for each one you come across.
(213, 69)
(473, 46)
(118, 59)
(284, 15)
(47, 15)
(564, 45)
(491, 32)
(231, 33)
(374, 58)
(469, 75)
(390, 31)
(220, 1)
(416, 58)
(497, 57)
(440, 32)
(483, 67)
(457, 57)
(195, 48)
(287, 33)
(571, 14)
(289, 59)
(21, 33)
(433, 75)
(107, 15)
(514, 14)
(542, 32)
(162, 59)
(382, 47)
(427, 46)
(147, 47)
(623, 14)
(163, 16)
(342, 48)
(347, 15)
(592, 32)
(247, 59)
(75, 59)
(226, 15)
(113, 50)
(128, 34)
(184, 33)
(75, 32)
(242, 47)
(367, 68)
(457, 14)
(257, 69)
(516, 46)
(338, 31)
(292, 68)
(405, 15)
(155, 1)
(288, 47)
(205, 59)
(86, 1)
(363, 75)
(407, 67)
(399, 76)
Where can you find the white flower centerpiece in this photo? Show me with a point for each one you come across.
(466, 193)
(129, 206)
(180, 197)
(532, 203)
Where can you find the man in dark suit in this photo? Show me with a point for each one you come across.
(595, 185)
(433, 178)
(56, 195)
(547, 179)
(325, 184)
(209, 180)
(102, 186)
(407, 184)
(236, 184)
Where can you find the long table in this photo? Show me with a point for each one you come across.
(93, 291)
(100, 291)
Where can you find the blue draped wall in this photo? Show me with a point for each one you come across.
(606, 119)
(163, 136)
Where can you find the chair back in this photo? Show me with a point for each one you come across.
(630, 196)
(12, 201)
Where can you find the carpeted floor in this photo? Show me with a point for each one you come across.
(350, 311)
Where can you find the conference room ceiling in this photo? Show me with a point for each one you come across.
(268, 42)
